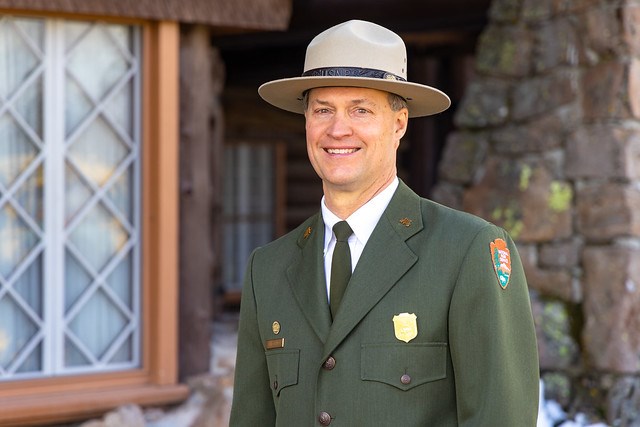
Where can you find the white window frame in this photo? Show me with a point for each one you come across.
(53, 156)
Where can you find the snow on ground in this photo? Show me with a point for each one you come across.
(551, 414)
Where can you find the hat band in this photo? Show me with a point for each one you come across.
(352, 72)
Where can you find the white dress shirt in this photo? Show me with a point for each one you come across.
(362, 222)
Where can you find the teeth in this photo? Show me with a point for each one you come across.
(341, 150)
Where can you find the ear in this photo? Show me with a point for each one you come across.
(402, 121)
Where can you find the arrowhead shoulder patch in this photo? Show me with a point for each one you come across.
(501, 258)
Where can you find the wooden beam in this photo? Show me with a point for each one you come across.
(196, 257)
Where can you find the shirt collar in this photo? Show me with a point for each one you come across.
(362, 221)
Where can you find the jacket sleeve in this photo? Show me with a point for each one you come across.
(252, 399)
(493, 342)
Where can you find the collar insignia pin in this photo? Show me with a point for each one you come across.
(405, 326)
(307, 232)
(501, 258)
(406, 222)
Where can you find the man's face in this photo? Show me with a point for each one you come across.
(352, 137)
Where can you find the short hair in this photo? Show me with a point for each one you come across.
(396, 102)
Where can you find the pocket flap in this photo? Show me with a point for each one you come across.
(404, 366)
(283, 368)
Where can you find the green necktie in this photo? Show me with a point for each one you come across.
(340, 265)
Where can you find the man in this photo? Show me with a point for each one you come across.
(434, 327)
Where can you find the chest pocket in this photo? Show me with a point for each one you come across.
(404, 366)
(283, 369)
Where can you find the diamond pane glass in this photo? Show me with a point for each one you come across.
(120, 107)
(124, 353)
(30, 196)
(29, 106)
(77, 280)
(120, 280)
(98, 324)
(16, 240)
(73, 30)
(121, 35)
(77, 191)
(17, 60)
(77, 109)
(16, 150)
(72, 356)
(34, 30)
(121, 194)
(29, 286)
(97, 74)
(98, 237)
(33, 362)
(16, 329)
(98, 151)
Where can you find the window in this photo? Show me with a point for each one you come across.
(69, 197)
(252, 204)
(88, 217)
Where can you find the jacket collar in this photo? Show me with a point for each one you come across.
(385, 259)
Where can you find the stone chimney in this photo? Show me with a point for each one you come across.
(548, 147)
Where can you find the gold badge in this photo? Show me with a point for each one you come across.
(307, 232)
(405, 326)
(275, 327)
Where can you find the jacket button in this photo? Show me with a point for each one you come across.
(324, 418)
(405, 379)
(329, 364)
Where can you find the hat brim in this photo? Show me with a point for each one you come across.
(287, 93)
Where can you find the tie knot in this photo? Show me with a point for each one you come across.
(342, 231)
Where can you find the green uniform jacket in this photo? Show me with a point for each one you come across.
(473, 362)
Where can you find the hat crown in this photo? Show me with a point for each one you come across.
(358, 44)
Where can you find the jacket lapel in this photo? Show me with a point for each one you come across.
(385, 259)
(307, 278)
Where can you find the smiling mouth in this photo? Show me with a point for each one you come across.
(341, 150)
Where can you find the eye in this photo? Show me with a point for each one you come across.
(361, 111)
(322, 111)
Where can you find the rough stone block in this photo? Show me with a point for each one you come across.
(535, 10)
(608, 211)
(557, 349)
(524, 198)
(611, 301)
(540, 134)
(604, 89)
(463, 154)
(563, 254)
(505, 10)
(557, 43)
(505, 51)
(602, 31)
(485, 104)
(572, 6)
(555, 283)
(623, 402)
(448, 194)
(634, 87)
(539, 95)
(631, 27)
(603, 151)
(557, 387)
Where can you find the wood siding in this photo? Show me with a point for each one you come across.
(246, 14)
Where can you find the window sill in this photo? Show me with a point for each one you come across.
(78, 405)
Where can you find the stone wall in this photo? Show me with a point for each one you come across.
(548, 146)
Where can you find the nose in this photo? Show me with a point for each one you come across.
(340, 127)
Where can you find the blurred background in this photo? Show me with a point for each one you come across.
(139, 169)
